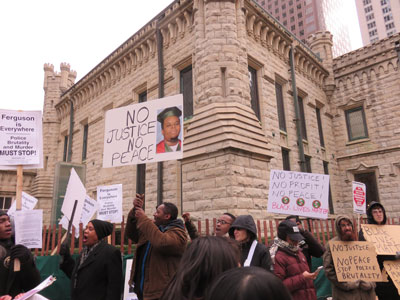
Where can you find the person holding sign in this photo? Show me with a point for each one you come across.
(97, 273)
(351, 290)
(290, 264)
(13, 282)
(160, 246)
(376, 214)
(244, 231)
(170, 122)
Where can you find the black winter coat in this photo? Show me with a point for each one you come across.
(99, 277)
(13, 283)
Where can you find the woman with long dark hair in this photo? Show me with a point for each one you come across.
(204, 259)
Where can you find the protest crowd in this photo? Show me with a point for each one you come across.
(173, 262)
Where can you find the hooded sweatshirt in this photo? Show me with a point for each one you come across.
(384, 290)
(261, 257)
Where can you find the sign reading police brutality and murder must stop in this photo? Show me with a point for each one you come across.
(145, 132)
(355, 261)
(109, 200)
(297, 193)
(386, 238)
(20, 137)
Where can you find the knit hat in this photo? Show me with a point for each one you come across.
(289, 229)
(102, 228)
(3, 212)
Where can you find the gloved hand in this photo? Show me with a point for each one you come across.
(22, 253)
(366, 286)
(353, 285)
(65, 253)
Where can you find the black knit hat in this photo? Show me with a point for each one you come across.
(3, 212)
(102, 228)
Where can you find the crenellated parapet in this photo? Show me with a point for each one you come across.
(175, 23)
(268, 32)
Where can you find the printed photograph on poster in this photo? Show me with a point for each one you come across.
(135, 134)
(20, 138)
(109, 200)
(28, 228)
(297, 193)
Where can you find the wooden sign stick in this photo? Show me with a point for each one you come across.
(20, 176)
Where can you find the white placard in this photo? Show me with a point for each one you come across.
(129, 294)
(109, 200)
(28, 228)
(88, 210)
(28, 203)
(33, 293)
(20, 138)
(75, 191)
(297, 193)
(134, 136)
(359, 197)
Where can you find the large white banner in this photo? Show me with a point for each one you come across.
(145, 132)
(21, 139)
(109, 200)
(297, 193)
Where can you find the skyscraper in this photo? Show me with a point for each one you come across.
(378, 19)
(305, 17)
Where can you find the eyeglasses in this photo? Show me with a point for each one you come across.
(222, 222)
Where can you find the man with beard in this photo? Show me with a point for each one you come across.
(376, 214)
(160, 245)
(352, 290)
(14, 282)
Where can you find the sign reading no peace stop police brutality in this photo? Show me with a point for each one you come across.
(20, 139)
(145, 132)
(297, 193)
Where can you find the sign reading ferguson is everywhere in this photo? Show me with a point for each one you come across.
(133, 133)
(20, 137)
(297, 193)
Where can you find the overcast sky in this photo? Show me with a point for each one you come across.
(81, 33)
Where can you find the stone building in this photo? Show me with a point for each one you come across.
(255, 99)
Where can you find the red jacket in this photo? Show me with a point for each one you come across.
(160, 148)
(289, 267)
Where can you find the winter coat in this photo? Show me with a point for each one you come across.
(163, 251)
(13, 283)
(192, 230)
(384, 290)
(100, 275)
(289, 267)
(310, 246)
(343, 290)
(261, 257)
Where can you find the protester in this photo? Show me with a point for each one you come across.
(97, 273)
(252, 283)
(160, 245)
(204, 259)
(309, 246)
(12, 282)
(376, 214)
(290, 264)
(244, 231)
(223, 224)
(353, 290)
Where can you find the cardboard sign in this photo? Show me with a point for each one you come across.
(28, 228)
(28, 203)
(129, 294)
(134, 136)
(20, 138)
(109, 199)
(355, 261)
(297, 193)
(386, 238)
(75, 191)
(359, 197)
(392, 267)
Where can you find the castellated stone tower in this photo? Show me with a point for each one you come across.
(225, 145)
(321, 43)
(54, 85)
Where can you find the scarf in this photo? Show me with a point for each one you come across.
(86, 252)
(278, 243)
